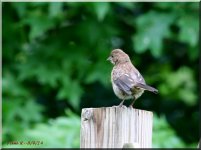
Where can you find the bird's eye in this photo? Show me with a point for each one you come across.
(112, 56)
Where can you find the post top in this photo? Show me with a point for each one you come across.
(123, 108)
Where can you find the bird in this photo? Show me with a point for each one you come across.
(127, 82)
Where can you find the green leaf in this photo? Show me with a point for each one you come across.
(128, 5)
(102, 75)
(21, 114)
(65, 131)
(181, 83)
(162, 132)
(21, 9)
(12, 87)
(72, 91)
(101, 9)
(189, 26)
(152, 28)
(38, 23)
(55, 9)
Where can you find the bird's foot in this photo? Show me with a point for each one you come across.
(121, 105)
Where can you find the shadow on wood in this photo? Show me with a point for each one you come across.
(113, 127)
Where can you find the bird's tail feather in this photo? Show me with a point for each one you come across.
(147, 87)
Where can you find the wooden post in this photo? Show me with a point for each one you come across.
(116, 127)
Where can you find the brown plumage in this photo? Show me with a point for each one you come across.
(127, 82)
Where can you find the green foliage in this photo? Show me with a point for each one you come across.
(152, 28)
(19, 115)
(101, 9)
(179, 85)
(54, 58)
(164, 136)
(189, 29)
(65, 130)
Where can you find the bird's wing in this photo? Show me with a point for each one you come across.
(136, 76)
(125, 83)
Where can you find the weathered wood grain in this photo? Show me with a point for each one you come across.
(113, 127)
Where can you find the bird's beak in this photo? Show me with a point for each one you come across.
(109, 58)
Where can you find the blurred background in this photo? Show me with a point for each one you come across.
(54, 64)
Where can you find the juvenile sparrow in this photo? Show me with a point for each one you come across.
(127, 82)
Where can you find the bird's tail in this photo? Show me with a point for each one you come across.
(147, 87)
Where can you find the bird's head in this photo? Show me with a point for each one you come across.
(118, 56)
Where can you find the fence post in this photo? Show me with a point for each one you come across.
(115, 127)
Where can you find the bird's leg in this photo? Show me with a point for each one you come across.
(121, 104)
(131, 105)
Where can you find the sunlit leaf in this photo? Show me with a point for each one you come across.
(152, 29)
(101, 9)
(180, 83)
(189, 26)
(55, 9)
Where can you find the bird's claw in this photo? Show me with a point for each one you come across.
(122, 106)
